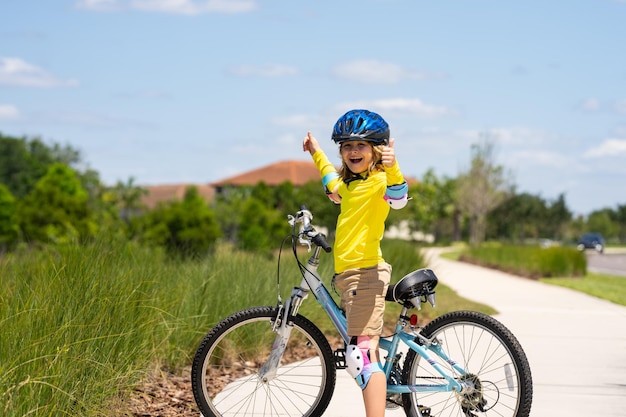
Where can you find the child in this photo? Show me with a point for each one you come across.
(368, 183)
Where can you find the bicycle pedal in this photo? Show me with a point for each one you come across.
(393, 402)
(340, 358)
(424, 411)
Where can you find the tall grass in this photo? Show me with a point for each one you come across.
(75, 328)
(81, 324)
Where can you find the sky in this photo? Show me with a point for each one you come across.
(195, 91)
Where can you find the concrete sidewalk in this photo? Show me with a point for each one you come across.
(576, 344)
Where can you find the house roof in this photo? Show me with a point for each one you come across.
(171, 192)
(296, 172)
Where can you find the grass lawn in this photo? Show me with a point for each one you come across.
(607, 287)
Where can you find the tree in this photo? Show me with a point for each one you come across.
(127, 197)
(184, 228)
(432, 208)
(24, 161)
(325, 212)
(601, 221)
(517, 218)
(481, 189)
(620, 218)
(8, 224)
(262, 228)
(57, 209)
(557, 219)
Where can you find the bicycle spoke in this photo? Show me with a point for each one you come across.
(233, 356)
(494, 365)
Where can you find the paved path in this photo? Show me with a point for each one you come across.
(576, 344)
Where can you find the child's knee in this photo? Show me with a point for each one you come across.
(359, 361)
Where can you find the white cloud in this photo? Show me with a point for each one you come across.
(186, 7)
(99, 5)
(527, 158)
(17, 72)
(620, 105)
(413, 107)
(377, 72)
(288, 140)
(9, 112)
(147, 94)
(269, 70)
(296, 120)
(590, 104)
(620, 130)
(610, 147)
(516, 136)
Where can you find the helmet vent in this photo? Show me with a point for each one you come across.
(361, 125)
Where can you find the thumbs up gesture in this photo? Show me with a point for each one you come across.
(389, 155)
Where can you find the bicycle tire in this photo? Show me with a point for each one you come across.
(225, 379)
(494, 359)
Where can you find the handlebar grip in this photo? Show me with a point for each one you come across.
(320, 240)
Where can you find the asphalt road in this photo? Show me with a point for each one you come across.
(608, 263)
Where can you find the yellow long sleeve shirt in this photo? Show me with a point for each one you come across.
(361, 222)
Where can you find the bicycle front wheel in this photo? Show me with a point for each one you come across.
(225, 374)
(497, 379)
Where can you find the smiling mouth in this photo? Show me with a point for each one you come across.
(356, 160)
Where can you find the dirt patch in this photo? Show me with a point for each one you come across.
(163, 394)
(168, 394)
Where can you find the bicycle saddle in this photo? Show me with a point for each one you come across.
(412, 287)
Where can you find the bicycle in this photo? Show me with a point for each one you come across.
(273, 361)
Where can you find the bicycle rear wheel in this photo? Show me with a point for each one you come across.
(225, 373)
(498, 381)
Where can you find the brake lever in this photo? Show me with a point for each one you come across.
(305, 242)
(292, 221)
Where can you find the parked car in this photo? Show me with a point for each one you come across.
(591, 241)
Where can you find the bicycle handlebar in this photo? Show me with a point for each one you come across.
(307, 232)
(320, 240)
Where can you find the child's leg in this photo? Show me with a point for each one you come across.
(375, 393)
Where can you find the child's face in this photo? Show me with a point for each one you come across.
(357, 155)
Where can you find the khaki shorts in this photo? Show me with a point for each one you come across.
(363, 298)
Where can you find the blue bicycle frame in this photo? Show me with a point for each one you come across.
(311, 281)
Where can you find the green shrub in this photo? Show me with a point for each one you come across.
(528, 261)
(57, 209)
(185, 228)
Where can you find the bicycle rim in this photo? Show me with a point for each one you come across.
(225, 373)
(498, 380)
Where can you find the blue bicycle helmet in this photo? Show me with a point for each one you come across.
(361, 125)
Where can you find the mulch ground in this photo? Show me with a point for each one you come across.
(163, 394)
(166, 394)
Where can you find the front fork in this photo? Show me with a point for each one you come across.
(283, 324)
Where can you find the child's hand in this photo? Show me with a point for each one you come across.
(389, 155)
(310, 144)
